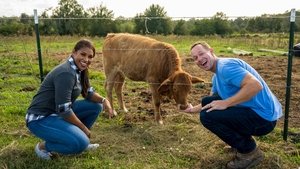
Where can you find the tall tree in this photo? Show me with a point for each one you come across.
(203, 27)
(102, 22)
(26, 23)
(68, 15)
(221, 24)
(181, 28)
(47, 26)
(124, 25)
(154, 20)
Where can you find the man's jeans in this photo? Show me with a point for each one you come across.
(63, 137)
(235, 125)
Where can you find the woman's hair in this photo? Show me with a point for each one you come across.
(84, 43)
(84, 77)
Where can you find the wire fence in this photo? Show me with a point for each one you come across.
(25, 52)
(19, 72)
(29, 67)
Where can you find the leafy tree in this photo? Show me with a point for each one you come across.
(124, 25)
(240, 25)
(47, 26)
(140, 22)
(218, 24)
(12, 26)
(154, 20)
(221, 24)
(27, 23)
(203, 27)
(103, 23)
(181, 28)
(66, 10)
(190, 24)
(25, 19)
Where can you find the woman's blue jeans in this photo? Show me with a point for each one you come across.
(63, 137)
(235, 125)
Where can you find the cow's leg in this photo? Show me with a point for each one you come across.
(119, 83)
(156, 102)
(109, 84)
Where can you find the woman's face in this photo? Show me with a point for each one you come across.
(83, 58)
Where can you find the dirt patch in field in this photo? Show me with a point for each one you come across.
(272, 68)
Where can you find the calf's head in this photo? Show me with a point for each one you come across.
(178, 86)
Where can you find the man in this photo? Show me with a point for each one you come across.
(240, 106)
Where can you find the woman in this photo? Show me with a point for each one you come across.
(56, 116)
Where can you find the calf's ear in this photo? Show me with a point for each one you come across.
(195, 79)
(165, 87)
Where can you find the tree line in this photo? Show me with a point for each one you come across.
(70, 18)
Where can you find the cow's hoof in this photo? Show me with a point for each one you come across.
(115, 113)
(160, 122)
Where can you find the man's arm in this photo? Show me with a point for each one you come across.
(250, 86)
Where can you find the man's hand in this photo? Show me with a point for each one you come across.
(216, 105)
(189, 108)
(193, 109)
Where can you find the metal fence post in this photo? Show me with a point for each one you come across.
(289, 74)
(37, 34)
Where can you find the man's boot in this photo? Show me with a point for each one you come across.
(245, 161)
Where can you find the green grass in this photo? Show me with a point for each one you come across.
(124, 143)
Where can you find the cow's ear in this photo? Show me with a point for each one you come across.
(165, 87)
(195, 79)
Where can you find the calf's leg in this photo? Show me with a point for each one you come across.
(156, 102)
(119, 83)
(109, 84)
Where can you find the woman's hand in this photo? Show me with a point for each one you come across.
(87, 132)
(72, 118)
(107, 107)
(106, 104)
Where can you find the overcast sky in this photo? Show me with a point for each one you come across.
(174, 8)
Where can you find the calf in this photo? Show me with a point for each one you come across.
(140, 58)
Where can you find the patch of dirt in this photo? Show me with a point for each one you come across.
(272, 68)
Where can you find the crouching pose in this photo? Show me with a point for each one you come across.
(240, 106)
(55, 116)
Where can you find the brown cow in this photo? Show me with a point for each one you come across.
(144, 59)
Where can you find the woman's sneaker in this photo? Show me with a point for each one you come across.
(92, 147)
(43, 154)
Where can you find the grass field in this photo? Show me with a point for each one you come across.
(182, 142)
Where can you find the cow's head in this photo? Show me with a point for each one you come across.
(178, 85)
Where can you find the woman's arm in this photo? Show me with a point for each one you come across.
(99, 99)
(72, 118)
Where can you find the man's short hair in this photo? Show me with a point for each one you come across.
(204, 44)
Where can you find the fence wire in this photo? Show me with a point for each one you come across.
(146, 17)
(26, 54)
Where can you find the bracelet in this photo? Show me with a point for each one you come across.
(103, 99)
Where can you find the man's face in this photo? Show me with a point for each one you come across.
(203, 57)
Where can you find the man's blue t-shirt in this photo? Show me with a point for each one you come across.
(227, 80)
